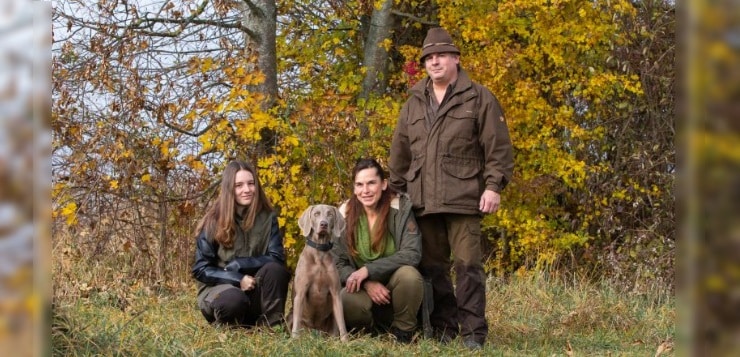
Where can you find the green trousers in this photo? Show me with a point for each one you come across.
(407, 290)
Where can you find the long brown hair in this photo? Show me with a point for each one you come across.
(355, 209)
(219, 221)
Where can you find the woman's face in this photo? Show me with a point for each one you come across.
(244, 187)
(369, 187)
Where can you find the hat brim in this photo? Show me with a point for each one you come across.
(438, 49)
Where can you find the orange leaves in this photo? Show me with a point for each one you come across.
(240, 77)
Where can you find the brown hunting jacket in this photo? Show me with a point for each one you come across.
(444, 163)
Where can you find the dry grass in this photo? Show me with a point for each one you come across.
(98, 309)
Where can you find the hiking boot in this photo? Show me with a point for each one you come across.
(472, 344)
(404, 337)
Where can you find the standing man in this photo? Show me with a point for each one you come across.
(452, 154)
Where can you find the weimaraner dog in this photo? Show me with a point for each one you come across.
(316, 286)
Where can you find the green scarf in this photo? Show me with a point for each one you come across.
(362, 243)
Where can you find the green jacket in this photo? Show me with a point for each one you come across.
(445, 163)
(406, 234)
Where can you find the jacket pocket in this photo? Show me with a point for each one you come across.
(460, 133)
(417, 133)
(414, 182)
(461, 181)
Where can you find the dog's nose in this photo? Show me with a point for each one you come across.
(324, 224)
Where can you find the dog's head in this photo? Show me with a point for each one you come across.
(321, 220)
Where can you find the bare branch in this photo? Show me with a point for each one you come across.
(415, 18)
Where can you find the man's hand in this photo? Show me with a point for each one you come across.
(489, 201)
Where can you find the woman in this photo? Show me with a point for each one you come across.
(240, 258)
(377, 256)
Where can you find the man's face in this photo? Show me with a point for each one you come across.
(442, 67)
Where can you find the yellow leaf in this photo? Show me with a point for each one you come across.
(206, 65)
(113, 184)
(265, 162)
(70, 213)
(292, 140)
(165, 148)
(146, 178)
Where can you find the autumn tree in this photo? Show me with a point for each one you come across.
(150, 101)
(594, 151)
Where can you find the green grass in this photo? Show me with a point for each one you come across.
(528, 316)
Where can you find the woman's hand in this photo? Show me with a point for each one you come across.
(378, 293)
(248, 283)
(354, 281)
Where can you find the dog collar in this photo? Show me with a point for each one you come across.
(324, 247)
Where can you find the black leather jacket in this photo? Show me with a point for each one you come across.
(264, 239)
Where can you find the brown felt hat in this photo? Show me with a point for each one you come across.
(438, 40)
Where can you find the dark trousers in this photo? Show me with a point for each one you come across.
(263, 305)
(462, 310)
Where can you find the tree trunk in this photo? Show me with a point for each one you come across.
(375, 56)
(260, 17)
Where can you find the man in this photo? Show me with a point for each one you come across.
(452, 154)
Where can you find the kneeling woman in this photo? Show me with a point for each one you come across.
(378, 255)
(239, 257)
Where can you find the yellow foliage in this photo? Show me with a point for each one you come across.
(164, 148)
(539, 58)
(546, 61)
(69, 212)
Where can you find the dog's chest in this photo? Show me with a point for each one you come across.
(320, 273)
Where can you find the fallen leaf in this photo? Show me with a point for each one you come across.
(665, 346)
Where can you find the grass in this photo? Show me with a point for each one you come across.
(535, 315)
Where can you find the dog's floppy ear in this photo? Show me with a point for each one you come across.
(339, 224)
(304, 223)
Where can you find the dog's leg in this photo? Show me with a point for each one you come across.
(337, 304)
(299, 296)
(339, 314)
(297, 314)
